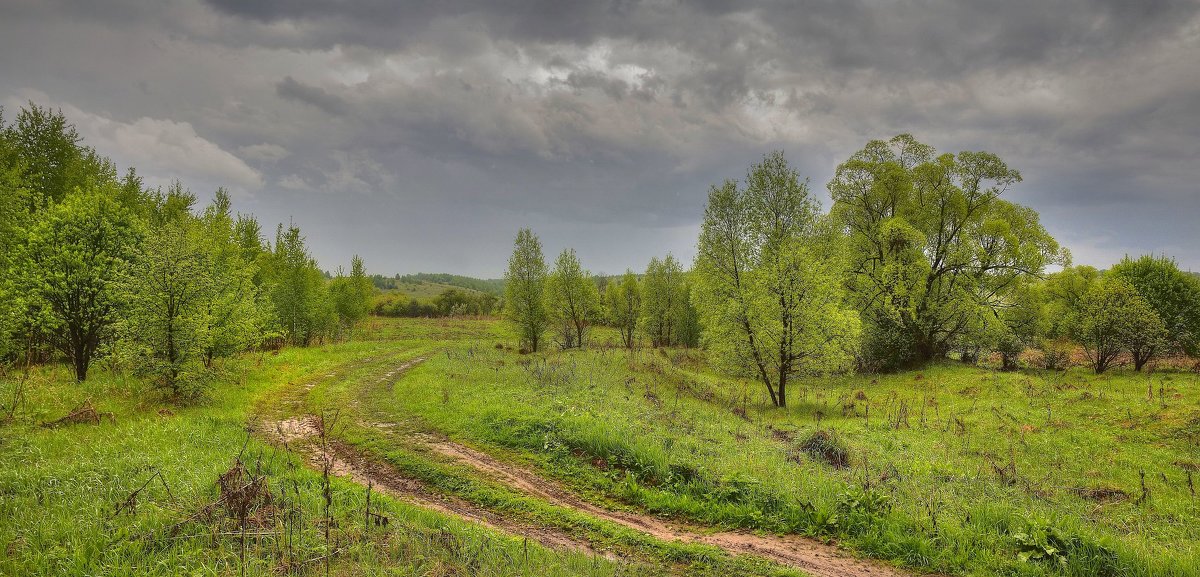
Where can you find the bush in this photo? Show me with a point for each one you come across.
(825, 446)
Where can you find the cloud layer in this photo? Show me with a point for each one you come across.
(422, 135)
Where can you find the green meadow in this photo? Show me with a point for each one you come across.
(955, 469)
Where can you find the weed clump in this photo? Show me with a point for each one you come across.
(825, 446)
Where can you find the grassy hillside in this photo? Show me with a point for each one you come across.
(490, 286)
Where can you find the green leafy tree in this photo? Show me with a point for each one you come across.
(623, 303)
(74, 253)
(572, 299)
(663, 298)
(932, 242)
(52, 161)
(235, 313)
(352, 294)
(524, 289)
(767, 281)
(1174, 295)
(298, 291)
(166, 297)
(1113, 318)
(13, 219)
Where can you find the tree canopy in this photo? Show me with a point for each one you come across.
(931, 243)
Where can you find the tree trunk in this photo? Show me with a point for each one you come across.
(81, 366)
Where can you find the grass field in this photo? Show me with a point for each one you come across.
(953, 469)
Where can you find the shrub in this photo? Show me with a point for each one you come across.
(825, 446)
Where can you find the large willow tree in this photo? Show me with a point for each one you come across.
(933, 246)
(767, 281)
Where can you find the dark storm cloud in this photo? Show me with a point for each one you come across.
(291, 89)
(422, 134)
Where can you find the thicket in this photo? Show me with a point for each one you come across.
(99, 266)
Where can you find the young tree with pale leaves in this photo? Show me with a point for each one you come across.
(623, 303)
(572, 299)
(524, 290)
(768, 281)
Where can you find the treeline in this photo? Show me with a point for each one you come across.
(566, 301)
(98, 266)
(918, 258)
(450, 303)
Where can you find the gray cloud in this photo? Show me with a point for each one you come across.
(422, 134)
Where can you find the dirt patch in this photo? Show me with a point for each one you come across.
(347, 462)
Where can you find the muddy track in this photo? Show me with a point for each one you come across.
(808, 555)
(300, 434)
(811, 556)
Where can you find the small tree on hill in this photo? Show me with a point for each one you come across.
(572, 299)
(623, 301)
(663, 296)
(352, 295)
(524, 289)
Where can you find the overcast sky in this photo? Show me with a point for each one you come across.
(422, 135)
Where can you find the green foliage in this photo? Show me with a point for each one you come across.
(1070, 553)
(456, 303)
(665, 300)
(236, 312)
(1174, 295)
(572, 300)
(494, 287)
(1113, 318)
(351, 295)
(298, 292)
(524, 289)
(75, 252)
(768, 281)
(623, 305)
(165, 294)
(50, 159)
(932, 243)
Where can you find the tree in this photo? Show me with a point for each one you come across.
(52, 161)
(623, 301)
(767, 281)
(572, 299)
(166, 298)
(1113, 318)
(1174, 295)
(75, 251)
(663, 296)
(352, 294)
(298, 292)
(524, 289)
(932, 242)
(235, 314)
